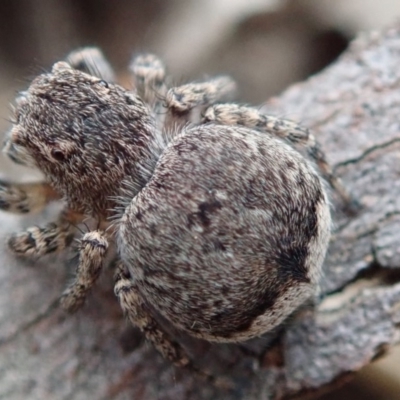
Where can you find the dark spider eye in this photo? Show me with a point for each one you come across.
(103, 83)
(129, 100)
(58, 155)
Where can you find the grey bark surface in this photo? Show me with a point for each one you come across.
(353, 108)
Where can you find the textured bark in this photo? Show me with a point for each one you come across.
(353, 109)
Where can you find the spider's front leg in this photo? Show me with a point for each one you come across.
(92, 250)
(24, 198)
(235, 114)
(148, 73)
(186, 103)
(54, 237)
(91, 61)
(135, 309)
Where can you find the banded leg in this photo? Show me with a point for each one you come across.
(54, 237)
(186, 103)
(23, 198)
(91, 61)
(135, 309)
(148, 73)
(92, 251)
(234, 114)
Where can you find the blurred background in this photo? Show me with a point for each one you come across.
(264, 44)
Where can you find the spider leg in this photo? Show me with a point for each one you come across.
(234, 114)
(23, 198)
(134, 307)
(53, 237)
(148, 73)
(92, 61)
(186, 103)
(93, 248)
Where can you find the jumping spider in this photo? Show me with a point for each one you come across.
(221, 225)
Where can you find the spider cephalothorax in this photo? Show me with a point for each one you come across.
(84, 133)
(224, 225)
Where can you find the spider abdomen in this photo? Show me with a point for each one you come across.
(228, 236)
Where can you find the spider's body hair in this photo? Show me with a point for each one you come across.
(221, 226)
(131, 186)
(86, 140)
(236, 209)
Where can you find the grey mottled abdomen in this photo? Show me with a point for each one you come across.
(228, 236)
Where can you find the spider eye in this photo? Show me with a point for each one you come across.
(58, 155)
(129, 99)
(103, 83)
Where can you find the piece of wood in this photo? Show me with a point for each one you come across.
(353, 108)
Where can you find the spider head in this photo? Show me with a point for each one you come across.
(85, 134)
